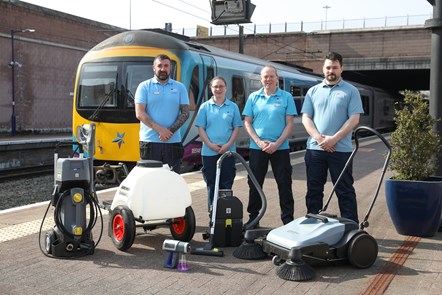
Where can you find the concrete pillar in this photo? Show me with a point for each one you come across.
(435, 24)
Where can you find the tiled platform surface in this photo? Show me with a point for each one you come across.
(399, 269)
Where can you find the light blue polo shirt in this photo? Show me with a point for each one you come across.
(269, 115)
(218, 122)
(330, 108)
(163, 106)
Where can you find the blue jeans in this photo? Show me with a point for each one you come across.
(226, 177)
(317, 164)
(282, 170)
(167, 153)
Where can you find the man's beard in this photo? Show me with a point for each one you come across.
(332, 78)
(162, 76)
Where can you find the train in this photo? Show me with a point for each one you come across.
(109, 74)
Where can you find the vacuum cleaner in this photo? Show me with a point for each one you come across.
(73, 193)
(176, 254)
(318, 238)
(226, 226)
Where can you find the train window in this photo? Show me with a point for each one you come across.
(295, 90)
(135, 74)
(98, 85)
(304, 91)
(255, 85)
(366, 105)
(281, 83)
(194, 89)
(238, 92)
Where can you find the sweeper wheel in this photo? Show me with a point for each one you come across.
(122, 227)
(362, 251)
(183, 228)
(277, 260)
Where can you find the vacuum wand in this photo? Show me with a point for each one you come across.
(176, 254)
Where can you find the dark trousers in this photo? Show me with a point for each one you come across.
(282, 170)
(317, 164)
(167, 153)
(226, 177)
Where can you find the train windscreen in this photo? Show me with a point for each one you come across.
(97, 86)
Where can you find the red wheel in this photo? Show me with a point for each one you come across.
(183, 228)
(122, 228)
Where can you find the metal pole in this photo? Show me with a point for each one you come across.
(241, 39)
(326, 7)
(13, 118)
(435, 25)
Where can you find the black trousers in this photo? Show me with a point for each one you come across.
(167, 153)
(282, 170)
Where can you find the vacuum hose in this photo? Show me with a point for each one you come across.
(92, 215)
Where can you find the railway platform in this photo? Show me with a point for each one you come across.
(31, 151)
(405, 265)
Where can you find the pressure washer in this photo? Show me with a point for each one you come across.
(72, 197)
(318, 238)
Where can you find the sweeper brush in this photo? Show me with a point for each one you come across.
(318, 238)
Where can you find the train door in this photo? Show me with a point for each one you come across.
(199, 92)
(281, 83)
(209, 71)
(367, 98)
(238, 92)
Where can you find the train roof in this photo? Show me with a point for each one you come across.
(159, 38)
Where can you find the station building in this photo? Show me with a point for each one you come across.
(43, 63)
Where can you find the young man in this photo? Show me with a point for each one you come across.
(330, 112)
(162, 106)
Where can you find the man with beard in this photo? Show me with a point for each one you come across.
(330, 112)
(162, 106)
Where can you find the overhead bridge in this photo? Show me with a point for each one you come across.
(394, 58)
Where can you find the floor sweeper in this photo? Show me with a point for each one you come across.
(73, 193)
(151, 195)
(316, 238)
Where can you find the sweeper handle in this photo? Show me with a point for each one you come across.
(357, 131)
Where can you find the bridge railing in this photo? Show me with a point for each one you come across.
(380, 22)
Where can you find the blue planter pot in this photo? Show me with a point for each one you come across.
(415, 206)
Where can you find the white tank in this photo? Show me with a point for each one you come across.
(152, 192)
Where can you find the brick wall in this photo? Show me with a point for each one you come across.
(308, 49)
(49, 58)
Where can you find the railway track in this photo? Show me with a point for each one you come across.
(26, 172)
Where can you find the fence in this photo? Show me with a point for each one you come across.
(364, 23)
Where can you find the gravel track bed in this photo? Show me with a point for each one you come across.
(25, 191)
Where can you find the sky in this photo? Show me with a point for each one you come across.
(141, 14)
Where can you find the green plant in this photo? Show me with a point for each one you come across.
(414, 143)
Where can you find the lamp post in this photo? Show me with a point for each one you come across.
(12, 65)
(326, 7)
